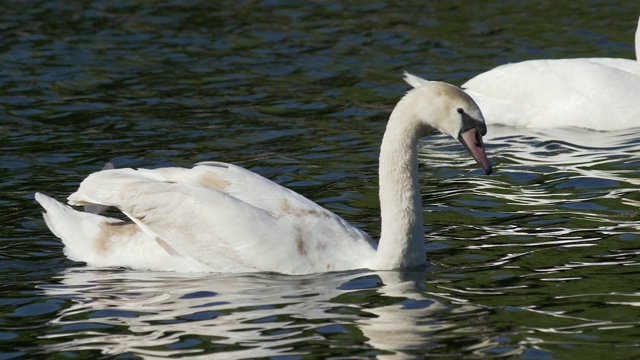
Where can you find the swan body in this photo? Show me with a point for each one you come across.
(219, 217)
(593, 93)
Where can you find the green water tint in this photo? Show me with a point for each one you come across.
(537, 261)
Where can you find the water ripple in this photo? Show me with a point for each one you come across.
(538, 260)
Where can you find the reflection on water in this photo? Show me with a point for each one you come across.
(542, 237)
(162, 314)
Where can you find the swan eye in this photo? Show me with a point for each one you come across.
(460, 111)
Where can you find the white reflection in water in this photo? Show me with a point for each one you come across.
(257, 313)
(544, 167)
(409, 325)
(582, 152)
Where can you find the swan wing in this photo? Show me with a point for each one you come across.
(229, 218)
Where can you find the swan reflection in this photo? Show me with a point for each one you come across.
(243, 315)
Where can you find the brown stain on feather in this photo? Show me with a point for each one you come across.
(300, 246)
(166, 247)
(299, 239)
(112, 231)
(213, 181)
(286, 208)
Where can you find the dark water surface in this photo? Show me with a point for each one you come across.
(538, 261)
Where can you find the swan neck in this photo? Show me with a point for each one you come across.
(402, 235)
(637, 41)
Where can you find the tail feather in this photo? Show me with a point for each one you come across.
(414, 81)
(77, 230)
(107, 242)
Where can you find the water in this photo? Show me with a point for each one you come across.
(538, 261)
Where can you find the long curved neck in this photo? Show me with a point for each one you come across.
(402, 235)
(637, 41)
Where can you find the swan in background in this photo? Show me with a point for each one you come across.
(220, 217)
(593, 93)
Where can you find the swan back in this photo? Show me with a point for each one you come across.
(229, 219)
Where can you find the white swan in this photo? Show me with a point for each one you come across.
(220, 217)
(593, 93)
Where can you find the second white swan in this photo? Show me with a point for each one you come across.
(593, 93)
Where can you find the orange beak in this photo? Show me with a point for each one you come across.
(472, 140)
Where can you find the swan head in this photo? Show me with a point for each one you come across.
(450, 110)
